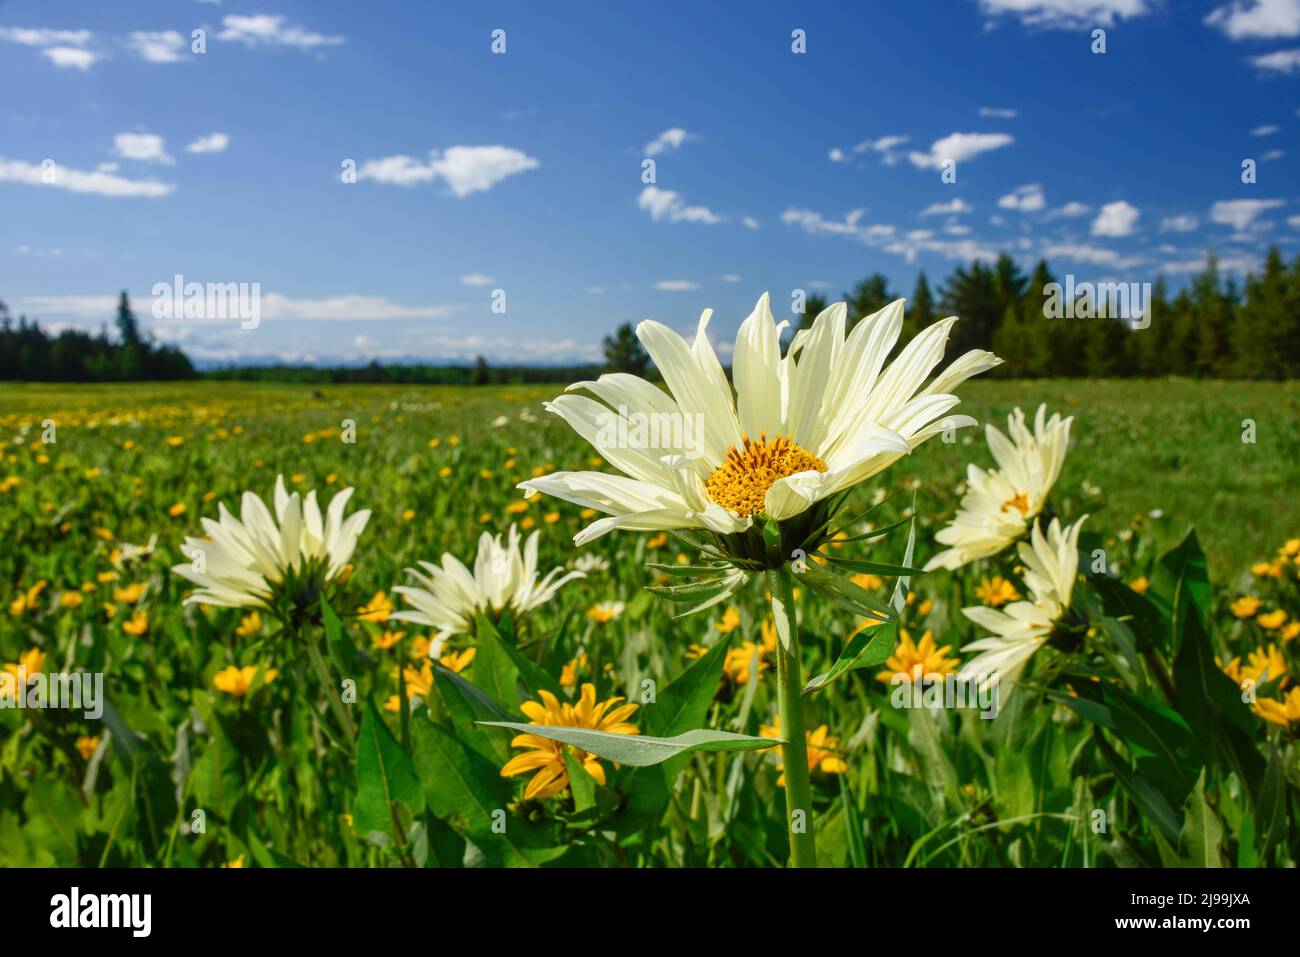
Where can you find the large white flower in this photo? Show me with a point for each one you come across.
(243, 559)
(798, 429)
(504, 577)
(1000, 503)
(1051, 564)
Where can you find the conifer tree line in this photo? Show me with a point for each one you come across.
(28, 352)
(1212, 328)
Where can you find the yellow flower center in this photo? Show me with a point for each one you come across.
(1020, 500)
(741, 482)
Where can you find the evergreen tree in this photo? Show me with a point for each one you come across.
(813, 306)
(868, 296)
(624, 352)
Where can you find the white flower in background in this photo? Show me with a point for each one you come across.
(1019, 630)
(799, 428)
(127, 553)
(450, 597)
(243, 559)
(591, 562)
(1000, 503)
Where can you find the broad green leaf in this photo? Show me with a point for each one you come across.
(466, 703)
(1151, 803)
(1202, 832)
(1180, 585)
(640, 750)
(389, 796)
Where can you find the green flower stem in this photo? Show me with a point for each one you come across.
(331, 692)
(794, 753)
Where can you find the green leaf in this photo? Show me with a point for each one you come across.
(494, 671)
(1150, 802)
(1159, 740)
(1179, 586)
(389, 796)
(1121, 601)
(581, 784)
(701, 593)
(841, 591)
(1270, 807)
(873, 568)
(1202, 832)
(640, 750)
(467, 703)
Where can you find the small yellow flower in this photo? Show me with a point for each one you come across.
(1139, 585)
(130, 594)
(605, 612)
(29, 663)
(1272, 619)
(924, 608)
(138, 624)
(569, 673)
(177, 510)
(71, 599)
(546, 757)
(175, 441)
(104, 533)
(377, 609)
(552, 517)
(236, 863)
(1284, 712)
(1292, 547)
(996, 592)
(822, 746)
(386, 640)
(418, 682)
(868, 581)
(26, 601)
(528, 522)
(517, 507)
(730, 621)
(87, 745)
(408, 514)
(434, 443)
(1290, 631)
(249, 625)
(444, 472)
(918, 659)
(419, 647)
(105, 577)
(658, 541)
(1246, 606)
(591, 513)
(458, 661)
(92, 473)
(237, 681)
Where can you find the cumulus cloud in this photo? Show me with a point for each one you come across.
(476, 279)
(1071, 210)
(1280, 61)
(1028, 198)
(954, 207)
(1115, 219)
(79, 181)
(212, 143)
(1178, 224)
(886, 147)
(667, 205)
(141, 147)
(163, 46)
(63, 48)
(1086, 253)
(676, 285)
(265, 30)
(998, 112)
(1267, 130)
(465, 169)
(71, 57)
(1257, 19)
(958, 147)
(670, 139)
(749, 222)
(1065, 14)
(1240, 214)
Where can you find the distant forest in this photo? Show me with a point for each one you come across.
(1212, 328)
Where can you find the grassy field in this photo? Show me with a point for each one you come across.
(91, 470)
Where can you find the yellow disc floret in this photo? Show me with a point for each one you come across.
(741, 482)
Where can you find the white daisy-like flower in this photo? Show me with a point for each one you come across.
(798, 429)
(591, 562)
(243, 560)
(1001, 503)
(1051, 564)
(450, 597)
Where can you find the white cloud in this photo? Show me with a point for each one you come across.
(1028, 198)
(676, 285)
(1280, 61)
(729, 277)
(79, 181)
(749, 222)
(212, 143)
(1071, 210)
(465, 169)
(837, 155)
(476, 279)
(1272, 155)
(1085, 253)
(163, 46)
(1267, 130)
(141, 147)
(670, 139)
(665, 204)
(270, 31)
(954, 207)
(885, 146)
(1065, 14)
(72, 58)
(1178, 224)
(1115, 219)
(958, 147)
(1257, 18)
(997, 112)
(42, 37)
(346, 307)
(886, 236)
(1293, 222)
(1241, 213)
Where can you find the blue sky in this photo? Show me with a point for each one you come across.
(523, 171)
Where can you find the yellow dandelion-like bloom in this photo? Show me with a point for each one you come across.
(130, 594)
(408, 514)
(71, 599)
(996, 592)
(517, 507)
(1284, 712)
(175, 441)
(377, 609)
(1290, 631)
(386, 640)
(1266, 569)
(444, 472)
(730, 621)
(868, 581)
(546, 757)
(237, 863)
(237, 681)
(605, 612)
(87, 745)
(1271, 619)
(822, 748)
(569, 673)
(1140, 585)
(26, 601)
(16, 674)
(177, 510)
(458, 661)
(551, 518)
(419, 682)
(1292, 547)
(1246, 606)
(138, 624)
(249, 625)
(918, 659)
(658, 541)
